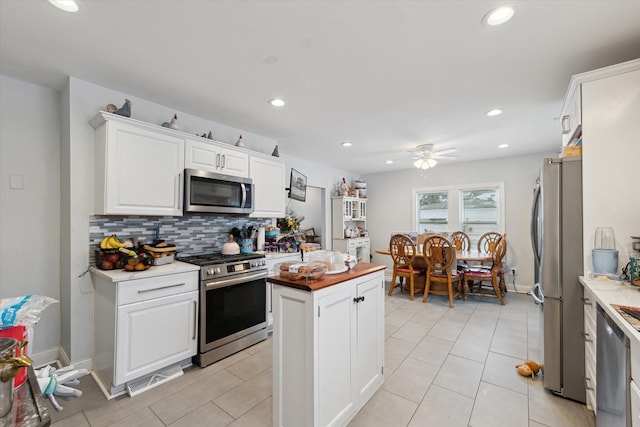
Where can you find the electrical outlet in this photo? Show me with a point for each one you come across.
(513, 271)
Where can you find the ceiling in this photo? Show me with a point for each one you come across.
(384, 75)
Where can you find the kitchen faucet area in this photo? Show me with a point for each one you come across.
(218, 244)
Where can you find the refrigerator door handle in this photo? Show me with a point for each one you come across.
(535, 209)
(535, 291)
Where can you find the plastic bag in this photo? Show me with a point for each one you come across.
(25, 310)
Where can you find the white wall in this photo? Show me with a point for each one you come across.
(611, 161)
(29, 218)
(389, 205)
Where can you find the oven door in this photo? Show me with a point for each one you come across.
(231, 308)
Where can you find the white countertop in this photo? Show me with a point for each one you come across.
(607, 293)
(153, 271)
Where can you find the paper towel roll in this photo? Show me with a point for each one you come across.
(260, 242)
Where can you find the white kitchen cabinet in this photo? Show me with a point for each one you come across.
(268, 175)
(348, 215)
(590, 338)
(208, 155)
(635, 404)
(274, 259)
(143, 325)
(359, 247)
(139, 168)
(571, 116)
(328, 351)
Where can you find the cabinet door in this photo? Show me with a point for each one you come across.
(154, 334)
(571, 116)
(335, 352)
(143, 172)
(202, 155)
(234, 162)
(269, 182)
(370, 338)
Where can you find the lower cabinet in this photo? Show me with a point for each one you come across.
(328, 351)
(142, 326)
(590, 347)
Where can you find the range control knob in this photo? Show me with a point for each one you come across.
(210, 271)
(217, 270)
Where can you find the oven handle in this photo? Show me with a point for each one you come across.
(235, 280)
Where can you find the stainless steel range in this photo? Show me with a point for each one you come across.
(233, 303)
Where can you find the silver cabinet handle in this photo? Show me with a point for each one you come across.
(586, 301)
(585, 336)
(224, 161)
(218, 160)
(160, 288)
(195, 318)
(565, 125)
(179, 191)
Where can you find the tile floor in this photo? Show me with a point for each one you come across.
(443, 367)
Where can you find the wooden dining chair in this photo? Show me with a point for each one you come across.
(461, 241)
(476, 278)
(440, 255)
(403, 252)
(487, 242)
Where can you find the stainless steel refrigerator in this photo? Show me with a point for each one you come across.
(556, 231)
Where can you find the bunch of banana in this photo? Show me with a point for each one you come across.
(111, 242)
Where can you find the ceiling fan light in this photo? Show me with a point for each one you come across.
(277, 102)
(346, 144)
(425, 163)
(494, 112)
(388, 162)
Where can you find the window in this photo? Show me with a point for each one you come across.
(474, 209)
(479, 212)
(433, 211)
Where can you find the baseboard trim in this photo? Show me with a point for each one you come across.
(58, 357)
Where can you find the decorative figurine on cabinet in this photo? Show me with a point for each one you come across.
(275, 152)
(240, 143)
(173, 124)
(125, 110)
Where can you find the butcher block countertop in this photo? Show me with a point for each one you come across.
(358, 270)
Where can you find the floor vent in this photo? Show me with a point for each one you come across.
(153, 380)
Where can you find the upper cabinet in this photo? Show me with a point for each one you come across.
(571, 118)
(268, 175)
(206, 155)
(139, 168)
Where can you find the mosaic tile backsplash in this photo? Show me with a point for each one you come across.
(191, 233)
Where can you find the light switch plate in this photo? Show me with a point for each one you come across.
(16, 182)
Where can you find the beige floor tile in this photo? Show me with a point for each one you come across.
(500, 370)
(447, 329)
(259, 416)
(472, 347)
(143, 418)
(209, 414)
(92, 397)
(460, 375)
(499, 407)
(398, 317)
(248, 394)
(395, 351)
(389, 330)
(442, 407)
(432, 350)
(177, 405)
(411, 379)
(76, 420)
(252, 365)
(535, 424)
(385, 409)
(510, 344)
(411, 332)
(551, 410)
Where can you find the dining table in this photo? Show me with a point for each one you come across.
(421, 263)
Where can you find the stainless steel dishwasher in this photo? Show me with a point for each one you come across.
(613, 373)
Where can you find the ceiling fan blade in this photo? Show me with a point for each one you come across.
(445, 151)
(441, 157)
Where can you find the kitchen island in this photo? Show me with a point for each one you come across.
(328, 346)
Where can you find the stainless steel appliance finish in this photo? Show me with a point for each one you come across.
(217, 193)
(561, 262)
(613, 374)
(233, 304)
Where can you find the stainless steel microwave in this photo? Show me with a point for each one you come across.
(217, 193)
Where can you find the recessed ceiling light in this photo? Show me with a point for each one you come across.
(388, 162)
(498, 16)
(346, 144)
(277, 102)
(503, 145)
(494, 112)
(66, 5)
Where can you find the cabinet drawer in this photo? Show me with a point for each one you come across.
(590, 382)
(635, 360)
(155, 287)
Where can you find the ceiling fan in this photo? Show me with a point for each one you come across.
(427, 158)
